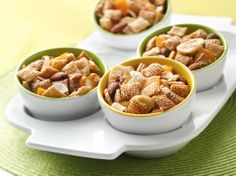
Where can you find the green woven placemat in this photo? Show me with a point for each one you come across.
(211, 153)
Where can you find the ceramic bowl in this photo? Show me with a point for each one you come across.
(151, 123)
(131, 41)
(59, 109)
(206, 77)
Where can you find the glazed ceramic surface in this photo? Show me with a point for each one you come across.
(157, 122)
(93, 137)
(212, 72)
(58, 109)
(130, 42)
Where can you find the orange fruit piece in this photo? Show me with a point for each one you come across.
(122, 5)
(168, 68)
(40, 91)
(160, 41)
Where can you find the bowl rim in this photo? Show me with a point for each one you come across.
(149, 115)
(93, 56)
(153, 27)
(195, 25)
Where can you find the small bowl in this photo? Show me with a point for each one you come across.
(206, 77)
(59, 109)
(151, 123)
(131, 41)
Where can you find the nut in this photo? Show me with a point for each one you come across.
(112, 88)
(59, 76)
(164, 51)
(212, 36)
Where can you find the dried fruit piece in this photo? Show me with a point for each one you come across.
(129, 90)
(107, 97)
(140, 104)
(58, 64)
(205, 56)
(217, 49)
(163, 102)
(153, 69)
(168, 68)
(180, 89)
(177, 30)
(123, 5)
(160, 41)
(118, 106)
(191, 46)
(138, 25)
(28, 74)
(40, 91)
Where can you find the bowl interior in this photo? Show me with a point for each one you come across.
(167, 10)
(57, 52)
(191, 28)
(179, 68)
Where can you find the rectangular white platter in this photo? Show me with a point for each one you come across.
(93, 137)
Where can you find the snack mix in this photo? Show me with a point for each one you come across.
(129, 16)
(63, 76)
(148, 89)
(195, 50)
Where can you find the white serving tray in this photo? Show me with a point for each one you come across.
(93, 137)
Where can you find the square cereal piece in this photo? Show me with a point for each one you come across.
(198, 34)
(48, 71)
(138, 25)
(180, 89)
(163, 102)
(70, 68)
(177, 30)
(184, 59)
(43, 84)
(28, 74)
(217, 49)
(54, 93)
(38, 64)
